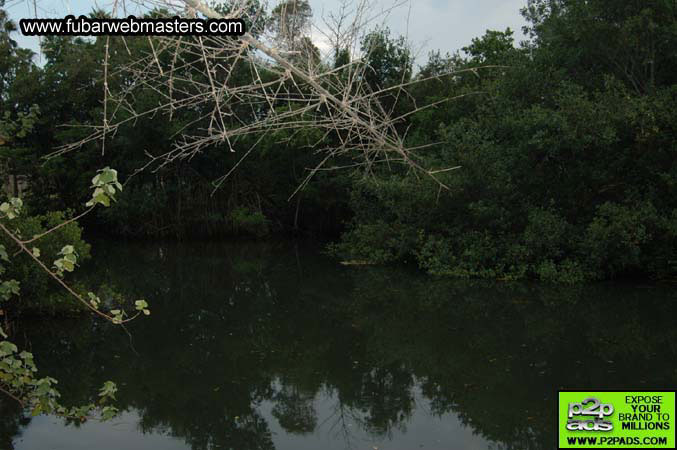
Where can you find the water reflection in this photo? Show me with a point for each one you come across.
(266, 346)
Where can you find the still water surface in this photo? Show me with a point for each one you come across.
(274, 346)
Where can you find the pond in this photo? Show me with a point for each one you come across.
(275, 346)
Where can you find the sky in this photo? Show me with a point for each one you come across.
(445, 25)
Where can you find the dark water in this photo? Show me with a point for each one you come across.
(273, 346)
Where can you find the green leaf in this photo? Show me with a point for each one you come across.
(7, 348)
(103, 199)
(104, 184)
(141, 304)
(108, 391)
(67, 250)
(108, 412)
(94, 300)
(107, 176)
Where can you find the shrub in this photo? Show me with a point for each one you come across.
(568, 271)
(617, 236)
(249, 222)
(376, 242)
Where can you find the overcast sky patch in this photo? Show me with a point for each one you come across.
(445, 25)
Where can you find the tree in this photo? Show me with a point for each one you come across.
(556, 148)
(14, 155)
(16, 65)
(280, 94)
(388, 59)
(227, 89)
(634, 40)
(7, 50)
(388, 64)
(494, 47)
(290, 23)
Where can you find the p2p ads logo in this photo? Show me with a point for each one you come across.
(606, 419)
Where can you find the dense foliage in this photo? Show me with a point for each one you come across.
(568, 153)
(566, 147)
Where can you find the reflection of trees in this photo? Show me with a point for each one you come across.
(11, 421)
(230, 332)
(246, 432)
(386, 398)
(294, 409)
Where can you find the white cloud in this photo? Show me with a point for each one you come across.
(445, 25)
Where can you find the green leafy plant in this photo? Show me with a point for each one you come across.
(105, 185)
(18, 371)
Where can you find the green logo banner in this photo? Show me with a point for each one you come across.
(638, 420)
